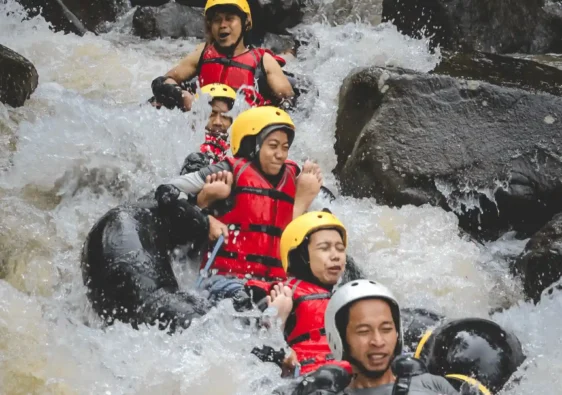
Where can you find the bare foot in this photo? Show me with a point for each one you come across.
(281, 297)
(217, 187)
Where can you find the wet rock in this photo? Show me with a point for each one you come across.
(72, 16)
(506, 26)
(502, 70)
(171, 20)
(540, 265)
(340, 12)
(192, 3)
(278, 43)
(488, 152)
(148, 3)
(279, 15)
(18, 78)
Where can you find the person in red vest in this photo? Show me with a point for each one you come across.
(215, 146)
(266, 191)
(226, 58)
(313, 251)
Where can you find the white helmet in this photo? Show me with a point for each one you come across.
(352, 292)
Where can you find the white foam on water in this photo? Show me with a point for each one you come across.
(86, 141)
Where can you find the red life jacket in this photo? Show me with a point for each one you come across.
(308, 337)
(260, 214)
(237, 72)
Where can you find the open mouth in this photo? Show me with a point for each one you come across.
(376, 358)
(334, 270)
(222, 36)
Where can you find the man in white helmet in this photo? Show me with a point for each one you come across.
(363, 327)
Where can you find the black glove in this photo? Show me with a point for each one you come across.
(174, 311)
(404, 368)
(167, 195)
(224, 287)
(326, 380)
(268, 354)
(221, 287)
(187, 222)
(169, 95)
(195, 162)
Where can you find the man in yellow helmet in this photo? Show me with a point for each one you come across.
(266, 191)
(215, 146)
(225, 58)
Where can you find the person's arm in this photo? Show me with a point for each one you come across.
(309, 182)
(187, 67)
(193, 183)
(276, 79)
(166, 89)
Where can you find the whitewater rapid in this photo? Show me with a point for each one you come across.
(86, 142)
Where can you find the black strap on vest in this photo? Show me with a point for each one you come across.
(304, 337)
(310, 361)
(263, 259)
(229, 63)
(271, 193)
(270, 230)
(306, 298)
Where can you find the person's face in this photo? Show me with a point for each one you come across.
(218, 122)
(371, 334)
(226, 28)
(326, 252)
(274, 152)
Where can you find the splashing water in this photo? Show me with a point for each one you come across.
(84, 143)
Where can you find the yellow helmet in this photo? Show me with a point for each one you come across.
(251, 122)
(460, 379)
(242, 5)
(219, 90)
(295, 233)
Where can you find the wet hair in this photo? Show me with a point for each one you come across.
(229, 102)
(247, 148)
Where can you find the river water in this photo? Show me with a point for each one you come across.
(83, 144)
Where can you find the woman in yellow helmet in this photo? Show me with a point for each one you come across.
(266, 191)
(313, 251)
(225, 58)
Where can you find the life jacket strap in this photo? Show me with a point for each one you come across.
(262, 259)
(314, 335)
(310, 361)
(230, 63)
(271, 230)
(271, 193)
(307, 298)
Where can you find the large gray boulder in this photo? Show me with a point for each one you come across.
(540, 264)
(75, 16)
(18, 77)
(170, 20)
(502, 26)
(491, 153)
